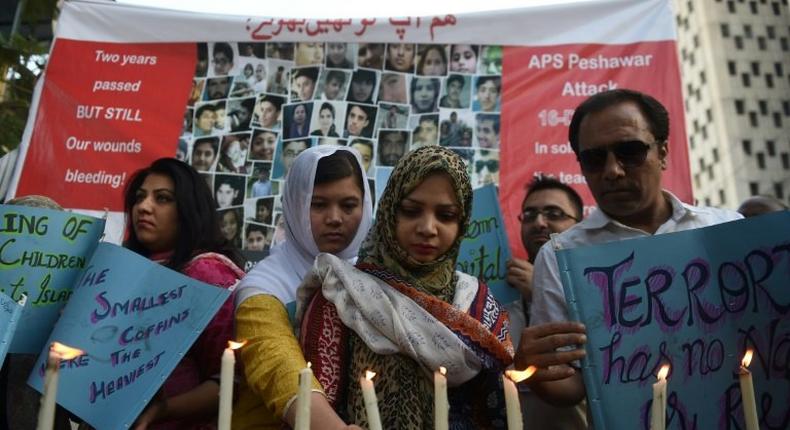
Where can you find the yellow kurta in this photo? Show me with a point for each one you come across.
(272, 360)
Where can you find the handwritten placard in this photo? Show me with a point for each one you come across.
(484, 251)
(135, 319)
(10, 311)
(694, 300)
(41, 253)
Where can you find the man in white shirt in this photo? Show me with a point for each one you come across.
(620, 139)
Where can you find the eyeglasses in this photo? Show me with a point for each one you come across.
(491, 165)
(629, 154)
(551, 214)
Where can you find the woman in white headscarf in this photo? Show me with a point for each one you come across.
(327, 208)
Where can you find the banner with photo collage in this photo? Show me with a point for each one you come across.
(254, 106)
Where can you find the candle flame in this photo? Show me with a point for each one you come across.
(236, 345)
(65, 352)
(369, 375)
(663, 372)
(442, 370)
(521, 375)
(747, 358)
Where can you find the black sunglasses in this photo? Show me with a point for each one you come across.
(629, 154)
(550, 213)
(492, 165)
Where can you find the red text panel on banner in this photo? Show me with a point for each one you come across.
(541, 88)
(107, 110)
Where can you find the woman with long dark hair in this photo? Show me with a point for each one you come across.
(172, 219)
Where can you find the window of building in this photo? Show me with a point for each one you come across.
(731, 6)
(770, 31)
(769, 81)
(747, 146)
(746, 80)
(710, 172)
(754, 188)
(732, 69)
(696, 180)
(783, 43)
(701, 163)
(760, 160)
(722, 199)
(739, 106)
(755, 68)
(690, 6)
(770, 147)
(779, 190)
(747, 31)
(695, 41)
(702, 77)
(763, 105)
(725, 30)
(753, 119)
(704, 132)
(761, 44)
(779, 69)
(786, 107)
(785, 161)
(691, 58)
(715, 155)
(775, 7)
(753, 7)
(707, 201)
(691, 142)
(777, 120)
(738, 42)
(709, 115)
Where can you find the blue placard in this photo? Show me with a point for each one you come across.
(695, 300)
(485, 251)
(10, 311)
(41, 253)
(135, 320)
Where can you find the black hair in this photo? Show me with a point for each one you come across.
(370, 112)
(424, 53)
(274, 100)
(541, 182)
(654, 112)
(213, 141)
(337, 166)
(327, 106)
(365, 142)
(495, 79)
(473, 47)
(336, 75)
(255, 227)
(489, 117)
(436, 88)
(456, 78)
(205, 107)
(198, 222)
(310, 72)
(224, 48)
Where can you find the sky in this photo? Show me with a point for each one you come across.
(342, 8)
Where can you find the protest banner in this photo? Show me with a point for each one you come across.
(696, 300)
(41, 253)
(484, 252)
(10, 311)
(239, 96)
(135, 319)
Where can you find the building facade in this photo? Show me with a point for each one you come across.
(735, 65)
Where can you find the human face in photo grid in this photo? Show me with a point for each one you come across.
(203, 156)
(361, 90)
(222, 64)
(268, 115)
(336, 52)
(304, 87)
(427, 220)
(256, 241)
(365, 152)
(393, 88)
(454, 92)
(332, 89)
(357, 121)
(260, 73)
(335, 214)
(463, 59)
(401, 56)
(308, 53)
(206, 120)
(217, 88)
(325, 119)
(487, 95)
(155, 213)
(428, 133)
(290, 151)
(433, 64)
(229, 225)
(424, 94)
(263, 146)
(487, 137)
(225, 195)
(300, 115)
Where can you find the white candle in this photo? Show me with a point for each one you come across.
(512, 402)
(658, 410)
(441, 408)
(46, 414)
(303, 399)
(226, 378)
(747, 393)
(371, 403)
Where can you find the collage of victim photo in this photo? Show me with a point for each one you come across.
(254, 107)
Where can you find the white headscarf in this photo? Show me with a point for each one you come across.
(282, 271)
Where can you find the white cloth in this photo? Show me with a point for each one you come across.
(390, 322)
(282, 271)
(548, 297)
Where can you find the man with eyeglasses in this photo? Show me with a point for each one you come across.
(620, 139)
(222, 58)
(548, 207)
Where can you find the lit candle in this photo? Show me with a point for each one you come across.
(441, 407)
(371, 403)
(303, 399)
(658, 410)
(747, 393)
(226, 378)
(57, 352)
(512, 402)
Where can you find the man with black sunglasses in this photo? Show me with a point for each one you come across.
(549, 206)
(620, 139)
